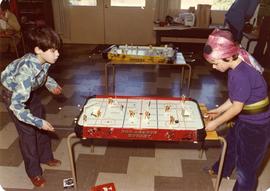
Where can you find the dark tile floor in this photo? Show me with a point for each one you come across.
(132, 166)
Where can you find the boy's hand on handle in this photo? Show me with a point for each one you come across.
(57, 90)
(47, 126)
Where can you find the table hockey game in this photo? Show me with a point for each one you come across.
(141, 118)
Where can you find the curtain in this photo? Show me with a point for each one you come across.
(167, 7)
(61, 18)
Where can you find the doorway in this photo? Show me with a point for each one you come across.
(109, 22)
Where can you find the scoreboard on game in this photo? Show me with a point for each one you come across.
(141, 118)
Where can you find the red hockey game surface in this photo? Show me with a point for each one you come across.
(141, 118)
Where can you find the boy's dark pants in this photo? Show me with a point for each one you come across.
(247, 145)
(35, 144)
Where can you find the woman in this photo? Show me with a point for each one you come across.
(9, 25)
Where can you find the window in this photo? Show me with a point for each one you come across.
(128, 3)
(83, 2)
(216, 4)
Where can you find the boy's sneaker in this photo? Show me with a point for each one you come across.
(53, 163)
(38, 181)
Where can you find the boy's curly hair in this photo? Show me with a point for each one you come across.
(44, 38)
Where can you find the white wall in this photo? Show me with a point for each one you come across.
(218, 17)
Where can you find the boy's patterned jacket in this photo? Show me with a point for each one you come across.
(22, 76)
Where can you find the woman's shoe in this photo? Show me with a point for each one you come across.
(210, 171)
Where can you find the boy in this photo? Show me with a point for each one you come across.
(248, 100)
(21, 81)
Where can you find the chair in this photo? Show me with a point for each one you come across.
(250, 38)
(261, 52)
(14, 37)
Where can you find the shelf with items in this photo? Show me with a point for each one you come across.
(35, 13)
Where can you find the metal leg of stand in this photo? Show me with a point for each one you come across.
(215, 137)
(221, 162)
(189, 79)
(71, 159)
(106, 78)
(113, 71)
(182, 78)
(201, 150)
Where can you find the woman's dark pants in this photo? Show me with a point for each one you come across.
(247, 145)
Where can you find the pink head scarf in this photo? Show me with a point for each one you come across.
(220, 45)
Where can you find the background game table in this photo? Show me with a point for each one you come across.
(146, 55)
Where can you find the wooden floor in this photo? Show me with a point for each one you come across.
(130, 165)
